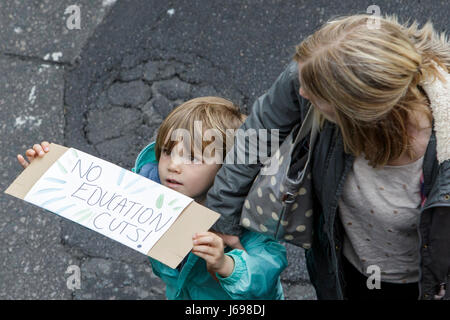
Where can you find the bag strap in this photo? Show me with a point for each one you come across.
(308, 125)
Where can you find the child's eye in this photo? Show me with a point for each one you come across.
(165, 151)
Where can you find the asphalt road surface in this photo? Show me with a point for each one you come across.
(105, 88)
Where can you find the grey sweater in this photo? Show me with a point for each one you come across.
(379, 210)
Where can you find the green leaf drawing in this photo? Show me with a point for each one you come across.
(61, 167)
(160, 201)
(80, 212)
(88, 215)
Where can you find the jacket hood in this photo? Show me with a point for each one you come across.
(147, 155)
(439, 94)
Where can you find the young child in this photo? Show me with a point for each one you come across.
(251, 267)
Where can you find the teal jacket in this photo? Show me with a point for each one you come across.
(256, 273)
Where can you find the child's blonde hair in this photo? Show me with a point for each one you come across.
(371, 76)
(213, 112)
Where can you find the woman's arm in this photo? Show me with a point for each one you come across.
(280, 108)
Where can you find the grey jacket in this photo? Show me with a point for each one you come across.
(281, 108)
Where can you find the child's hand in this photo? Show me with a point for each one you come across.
(209, 247)
(37, 151)
(231, 241)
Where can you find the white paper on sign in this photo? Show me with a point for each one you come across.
(106, 198)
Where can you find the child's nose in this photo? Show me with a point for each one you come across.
(175, 165)
(174, 169)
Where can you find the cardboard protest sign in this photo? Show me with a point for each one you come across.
(122, 205)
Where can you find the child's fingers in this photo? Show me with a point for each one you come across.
(203, 240)
(39, 151)
(205, 257)
(203, 249)
(213, 256)
(22, 161)
(30, 153)
(203, 234)
(209, 240)
(45, 146)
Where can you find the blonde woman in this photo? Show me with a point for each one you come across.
(381, 168)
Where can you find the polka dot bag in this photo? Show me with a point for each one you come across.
(279, 203)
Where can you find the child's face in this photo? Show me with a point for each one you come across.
(191, 179)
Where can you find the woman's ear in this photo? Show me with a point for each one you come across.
(303, 94)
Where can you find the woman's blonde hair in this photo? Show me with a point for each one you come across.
(371, 76)
(212, 112)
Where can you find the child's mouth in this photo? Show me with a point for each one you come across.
(173, 183)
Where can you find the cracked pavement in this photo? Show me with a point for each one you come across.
(106, 88)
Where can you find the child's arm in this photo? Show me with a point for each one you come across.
(36, 151)
(257, 270)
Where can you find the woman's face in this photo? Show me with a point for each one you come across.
(324, 107)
